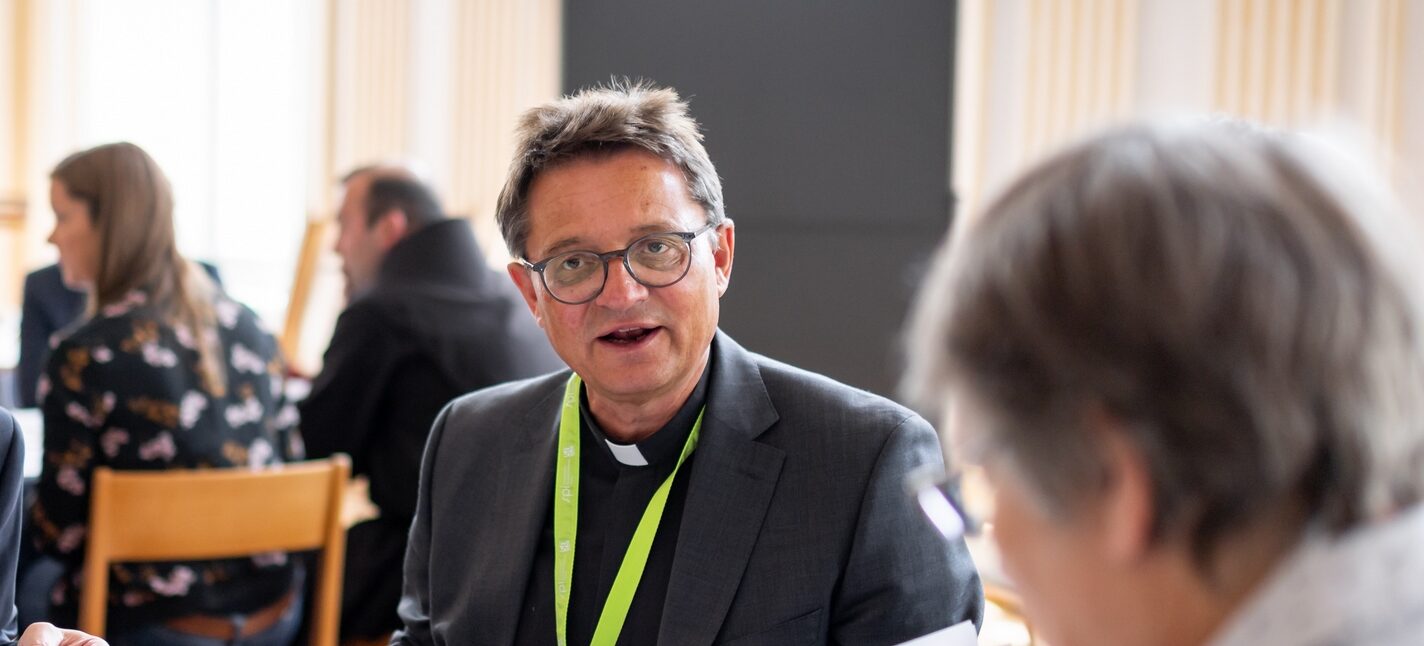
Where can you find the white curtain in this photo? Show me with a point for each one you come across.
(1033, 74)
(255, 108)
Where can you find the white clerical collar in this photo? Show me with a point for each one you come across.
(627, 454)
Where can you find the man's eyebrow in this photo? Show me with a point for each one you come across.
(575, 242)
(653, 228)
(563, 244)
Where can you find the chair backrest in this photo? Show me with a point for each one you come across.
(217, 513)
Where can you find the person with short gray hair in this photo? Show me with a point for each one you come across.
(672, 487)
(1188, 360)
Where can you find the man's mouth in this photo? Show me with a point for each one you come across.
(628, 335)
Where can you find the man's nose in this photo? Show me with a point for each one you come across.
(620, 290)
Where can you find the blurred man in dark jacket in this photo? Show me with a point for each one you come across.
(426, 320)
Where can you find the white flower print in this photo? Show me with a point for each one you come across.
(70, 538)
(79, 413)
(245, 413)
(177, 583)
(192, 407)
(269, 559)
(244, 360)
(42, 388)
(184, 335)
(112, 439)
(295, 445)
(133, 299)
(227, 312)
(158, 356)
(91, 419)
(259, 454)
(68, 479)
(161, 447)
(287, 417)
(102, 354)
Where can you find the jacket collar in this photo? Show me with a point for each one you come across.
(733, 478)
(737, 397)
(442, 253)
(732, 482)
(1340, 590)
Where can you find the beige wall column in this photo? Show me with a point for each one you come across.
(1409, 160)
(48, 110)
(362, 79)
(1033, 73)
(507, 59)
(14, 153)
(441, 82)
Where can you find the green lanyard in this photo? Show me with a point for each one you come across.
(630, 572)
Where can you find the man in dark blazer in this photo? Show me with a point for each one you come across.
(12, 480)
(427, 321)
(673, 488)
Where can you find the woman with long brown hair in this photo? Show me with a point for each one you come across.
(164, 371)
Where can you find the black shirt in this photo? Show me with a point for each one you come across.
(612, 498)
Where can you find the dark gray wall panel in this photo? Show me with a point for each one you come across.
(829, 123)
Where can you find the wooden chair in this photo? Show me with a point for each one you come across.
(314, 244)
(218, 513)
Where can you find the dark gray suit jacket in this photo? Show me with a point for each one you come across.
(12, 481)
(797, 528)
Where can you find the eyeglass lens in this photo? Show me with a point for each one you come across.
(657, 260)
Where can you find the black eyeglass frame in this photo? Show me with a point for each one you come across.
(603, 258)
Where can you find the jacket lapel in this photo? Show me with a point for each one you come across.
(520, 514)
(733, 479)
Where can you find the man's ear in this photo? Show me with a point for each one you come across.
(524, 279)
(1127, 506)
(722, 256)
(391, 227)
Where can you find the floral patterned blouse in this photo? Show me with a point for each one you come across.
(123, 390)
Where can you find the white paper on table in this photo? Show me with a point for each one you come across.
(960, 634)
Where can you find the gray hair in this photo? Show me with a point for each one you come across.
(1228, 294)
(605, 120)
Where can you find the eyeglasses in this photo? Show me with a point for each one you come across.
(655, 260)
(941, 497)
